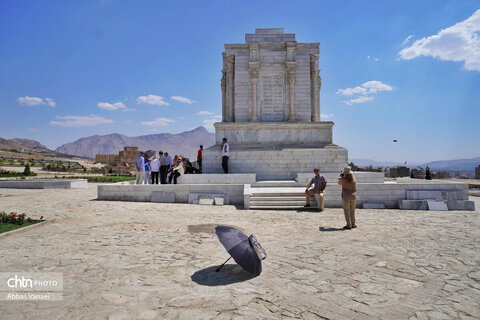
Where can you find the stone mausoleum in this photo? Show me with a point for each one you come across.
(271, 110)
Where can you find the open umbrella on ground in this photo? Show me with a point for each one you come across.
(246, 251)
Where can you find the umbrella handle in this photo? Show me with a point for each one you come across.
(220, 267)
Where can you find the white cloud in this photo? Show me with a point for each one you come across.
(369, 87)
(205, 113)
(208, 123)
(361, 99)
(50, 102)
(111, 106)
(365, 91)
(183, 99)
(407, 39)
(34, 101)
(159, 122)
(326, 116)
(375, 59)
(153, 99)
(460, 42)
(80, 121)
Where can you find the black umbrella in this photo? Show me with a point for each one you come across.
(240, 248)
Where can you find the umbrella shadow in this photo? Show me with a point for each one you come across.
(229, 274)
(330, 229)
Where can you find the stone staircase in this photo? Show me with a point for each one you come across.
(282, 197)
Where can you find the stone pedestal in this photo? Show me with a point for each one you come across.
(276, 150)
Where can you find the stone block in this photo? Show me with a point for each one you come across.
(373, 205)
(465, 205)
(218, 201)
(163, 197)
(205, 201)
(451, 198)
(437, 205)
(412, 205)
(197, 196)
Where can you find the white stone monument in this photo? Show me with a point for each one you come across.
(271, 110)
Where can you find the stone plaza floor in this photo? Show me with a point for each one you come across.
(127, 260)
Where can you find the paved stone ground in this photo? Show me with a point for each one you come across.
(125, 260)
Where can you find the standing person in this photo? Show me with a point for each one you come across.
(147, 172)
(169, 160)
(225, 154)
(177, 171)
(163, 167)
(349, 196)
(320, 184)
(140, 166)
(199, 157)
(155, 167)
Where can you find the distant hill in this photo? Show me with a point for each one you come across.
(26, 147)
(373, 163)
(457, 164)
(185, 143)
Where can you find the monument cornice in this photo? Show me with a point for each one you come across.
(273, 125)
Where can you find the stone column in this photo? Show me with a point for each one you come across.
(315, 115)
(253, 69)
(291, 68)
(223, 85)
(230, 84)
(319, 82)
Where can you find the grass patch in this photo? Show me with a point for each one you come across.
(5, 226)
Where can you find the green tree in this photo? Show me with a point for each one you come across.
(353, 166)
(428, 174)
(27, 170)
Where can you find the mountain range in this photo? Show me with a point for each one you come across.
(185, 143)
(455, 164)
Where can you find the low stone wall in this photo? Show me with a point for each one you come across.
(234, 178)
(143, 192)
(332, 177)
(390, 193)
(43, 183)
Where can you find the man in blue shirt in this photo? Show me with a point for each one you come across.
(140, 166)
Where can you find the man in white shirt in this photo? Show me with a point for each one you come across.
(155, 169)
(225, 154)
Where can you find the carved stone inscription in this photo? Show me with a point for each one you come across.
(273, 98)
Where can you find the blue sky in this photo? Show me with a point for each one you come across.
(406, 70)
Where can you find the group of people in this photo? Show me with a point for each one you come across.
(163, 168)
(349, 194)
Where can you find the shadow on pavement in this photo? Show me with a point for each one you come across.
(230, 273)
(330, 229)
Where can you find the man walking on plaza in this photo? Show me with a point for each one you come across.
(225, 155)
(320, 184)
(140, 166)
(163, 167)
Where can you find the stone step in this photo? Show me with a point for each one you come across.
(277, 203)
(275, 183)
(276, 207)
(273, 197)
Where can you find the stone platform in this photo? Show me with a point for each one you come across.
(43, 183)
(290, 194)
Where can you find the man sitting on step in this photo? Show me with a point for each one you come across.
(320, 184)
